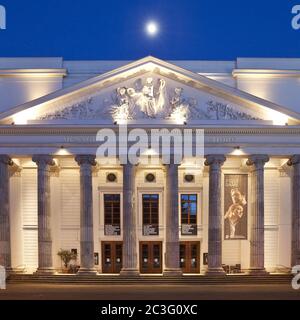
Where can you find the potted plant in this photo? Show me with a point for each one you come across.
(66, 256)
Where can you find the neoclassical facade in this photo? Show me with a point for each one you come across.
(238, 210)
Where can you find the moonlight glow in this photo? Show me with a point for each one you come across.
(152, 28)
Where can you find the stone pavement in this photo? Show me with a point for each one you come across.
(147, 292)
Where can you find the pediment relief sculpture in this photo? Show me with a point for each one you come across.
(147, 99)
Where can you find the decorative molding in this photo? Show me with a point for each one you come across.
(15, 170)
(33, 73)
(78, 110)
(222, 111)
(93, 129)
(54, 171)
(270, 73)
(283, 172)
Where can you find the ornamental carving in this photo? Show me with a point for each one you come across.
(221, 111)
(147, 99)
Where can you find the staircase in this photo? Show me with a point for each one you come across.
(150, 280)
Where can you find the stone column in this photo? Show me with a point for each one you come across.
(172, 224)
(45, 259)
(129, 223)
(5, 247)
(295, 250)
(86, 214)
(257, 163)
(215, 163)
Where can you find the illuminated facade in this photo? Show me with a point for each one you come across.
(238, 212)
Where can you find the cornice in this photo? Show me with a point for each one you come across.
(33, 73)
(86, 130)
(270, 73)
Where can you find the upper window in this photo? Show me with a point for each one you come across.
(150, 214)
(112, 209)
(189, 214)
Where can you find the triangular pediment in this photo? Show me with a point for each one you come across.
(148, 90)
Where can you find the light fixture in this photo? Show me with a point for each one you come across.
(237, 151)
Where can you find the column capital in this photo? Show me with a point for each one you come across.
(86, 159)
(215, 159)
(295, 159)
(257, 160)
(43, 159)
(5, 159)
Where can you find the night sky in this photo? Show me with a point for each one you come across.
(111, 29)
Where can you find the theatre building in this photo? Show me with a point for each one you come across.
(238, 211)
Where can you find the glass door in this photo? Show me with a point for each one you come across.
(151, 257)
(111, 257)
(190, 257)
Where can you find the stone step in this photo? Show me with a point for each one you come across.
(73, 279)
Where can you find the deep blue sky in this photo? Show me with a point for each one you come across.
(113, 29)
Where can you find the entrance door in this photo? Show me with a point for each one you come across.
(150, 257)
(190, 257)
(111, 257)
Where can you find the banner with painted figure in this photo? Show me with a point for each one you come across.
(235, 206)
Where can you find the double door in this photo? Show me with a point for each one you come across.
(190, 256)
(151, 257)
(112, 257)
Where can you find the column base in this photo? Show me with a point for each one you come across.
(87, 272)
(176, 272)
(258, 272)
(215, 272)
(285, 270)
(16, 271)
(127, 272)
(45, 271)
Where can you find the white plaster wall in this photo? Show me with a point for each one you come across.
(285, 220)
(16, 221)
(29, 213)
(281, 90)
(18, 89)
(70, 208)
(272, 211)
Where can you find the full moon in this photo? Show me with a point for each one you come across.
(152, 28)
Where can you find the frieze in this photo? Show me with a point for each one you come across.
(147, 99)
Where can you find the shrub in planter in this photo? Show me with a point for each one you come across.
(66, 256)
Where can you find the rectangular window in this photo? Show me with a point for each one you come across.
(112, 213)
(188, 214)
(150, 214)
